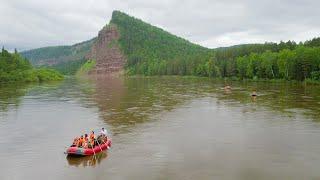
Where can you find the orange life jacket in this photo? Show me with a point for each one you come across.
(91, 136)
(80, 142)
(85, 142)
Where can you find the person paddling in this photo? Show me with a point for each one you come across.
(102, 138)
(86, 141)
(92, 138)
(81, 141)
(75, 142)
(104, 132)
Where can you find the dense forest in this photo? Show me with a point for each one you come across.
(285, 60)
(289, 61)
(13, 67)
(300, 63)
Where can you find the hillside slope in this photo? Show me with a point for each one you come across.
(58, 54)
(148, 46)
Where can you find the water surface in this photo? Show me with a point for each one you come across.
(162, 128)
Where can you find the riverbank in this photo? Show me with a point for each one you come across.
(31, 75)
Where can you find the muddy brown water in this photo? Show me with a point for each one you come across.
(162, 128)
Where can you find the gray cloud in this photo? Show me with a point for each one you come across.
(212, 23)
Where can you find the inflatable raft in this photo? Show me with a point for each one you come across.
(77, 151)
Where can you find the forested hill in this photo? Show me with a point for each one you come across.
(66, 59)
(57, 54)
(150, 50)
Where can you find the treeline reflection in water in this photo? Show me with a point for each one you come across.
(127, 101)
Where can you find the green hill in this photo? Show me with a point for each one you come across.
(62, 58)
(150, 50)
(57, 54)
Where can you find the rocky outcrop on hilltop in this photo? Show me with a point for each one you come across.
(106, 52)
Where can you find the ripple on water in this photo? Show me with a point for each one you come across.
(132, 109)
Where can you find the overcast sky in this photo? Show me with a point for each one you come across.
(27, 24)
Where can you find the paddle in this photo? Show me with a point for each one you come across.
(98, 144)
(94, 153)
(105, 142)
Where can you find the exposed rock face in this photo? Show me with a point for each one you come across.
(107, 53)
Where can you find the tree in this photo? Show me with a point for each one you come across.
(212, 69)
(268, 64)
(242, 65)
(303, 66)
(285, 63)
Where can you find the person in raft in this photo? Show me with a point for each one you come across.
(75, 142)
(90, 141)
(78, 142)
(104, 132)
(86, 141)
(102, 138)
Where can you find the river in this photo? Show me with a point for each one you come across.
(161, 128)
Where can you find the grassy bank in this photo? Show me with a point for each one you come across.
(31, 75)
(86, 67)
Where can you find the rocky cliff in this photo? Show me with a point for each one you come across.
(106, 51)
